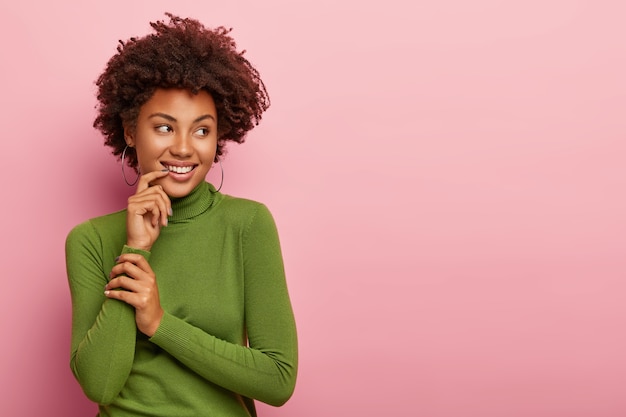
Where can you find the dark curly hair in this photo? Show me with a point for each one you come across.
(181, 54)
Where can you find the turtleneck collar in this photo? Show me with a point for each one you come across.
(195, 203)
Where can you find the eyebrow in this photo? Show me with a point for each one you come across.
(173, 119)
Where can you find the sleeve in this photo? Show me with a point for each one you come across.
(266, 369)
(103, 330)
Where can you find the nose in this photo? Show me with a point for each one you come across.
(181, 146)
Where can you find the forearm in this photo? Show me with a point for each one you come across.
(267, 375)
(102, 360)
(103, 331)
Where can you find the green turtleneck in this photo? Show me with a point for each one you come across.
(228, 334)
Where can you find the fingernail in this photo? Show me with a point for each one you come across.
(117, 259)
(106, 292)
(170, 212)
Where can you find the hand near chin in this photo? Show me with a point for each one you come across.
(148, 209)
(134, 283)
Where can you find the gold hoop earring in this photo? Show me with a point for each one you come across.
(222, 180)
(124, 173)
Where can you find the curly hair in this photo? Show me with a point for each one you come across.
(181, 54)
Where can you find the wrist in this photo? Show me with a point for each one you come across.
(138, 245)
(151, 330)
(131, 249)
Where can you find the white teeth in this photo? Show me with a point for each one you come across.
(180, 170)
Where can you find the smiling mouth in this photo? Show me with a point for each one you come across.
(179, 170)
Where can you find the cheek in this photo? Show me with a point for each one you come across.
(208, 149)
(146, 155)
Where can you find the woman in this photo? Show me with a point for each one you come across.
(180, 305)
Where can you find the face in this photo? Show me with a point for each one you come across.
(177, 130)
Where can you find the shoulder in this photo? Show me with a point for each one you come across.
(241, 207)
(97, 227)
(244, 211)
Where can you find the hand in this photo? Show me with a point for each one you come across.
(134, 274)
(147, 212)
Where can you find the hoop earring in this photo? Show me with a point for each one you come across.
(124, 173)
(222, 180)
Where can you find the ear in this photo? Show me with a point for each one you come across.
(129, 135)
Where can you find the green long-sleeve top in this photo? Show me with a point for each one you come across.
(228, 334)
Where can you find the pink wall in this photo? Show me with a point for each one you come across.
(448, 181)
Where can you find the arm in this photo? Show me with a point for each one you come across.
(266, 370)
(103, 330)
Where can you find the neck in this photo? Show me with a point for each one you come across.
(193, 204)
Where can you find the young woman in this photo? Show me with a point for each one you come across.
(180, 305)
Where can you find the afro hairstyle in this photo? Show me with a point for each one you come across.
(180, 54)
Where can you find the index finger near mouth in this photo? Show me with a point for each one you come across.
(145, 180)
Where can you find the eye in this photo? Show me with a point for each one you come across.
(203, 131)
(163, 128)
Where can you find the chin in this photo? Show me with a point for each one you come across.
(178, 192)
(177, 189)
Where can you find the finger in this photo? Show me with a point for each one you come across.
(126, 296)
(134, 266)
(146, 179)
(157, 194)
(164, 204)
(130, 270)
(156, 216)
(142, 302)
(124, 283)
(152, 209)
(148, 205)
(135, 259)
(151, 190)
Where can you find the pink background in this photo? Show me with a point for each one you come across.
(447, 177)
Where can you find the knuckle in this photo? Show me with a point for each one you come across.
(142, 302)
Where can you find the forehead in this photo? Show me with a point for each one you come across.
(181, 104)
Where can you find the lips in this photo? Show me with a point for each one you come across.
(179, 168)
